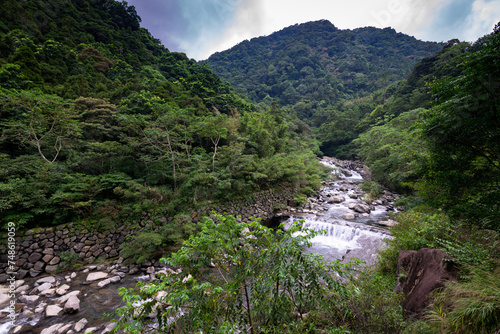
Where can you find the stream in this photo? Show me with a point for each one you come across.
(354, 228)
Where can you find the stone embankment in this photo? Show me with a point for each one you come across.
(43, 250)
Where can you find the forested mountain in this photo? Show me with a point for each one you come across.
(99, 121)
(312, 69)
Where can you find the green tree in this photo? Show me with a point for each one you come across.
(463, 133)
(236, 276)
(46, 122)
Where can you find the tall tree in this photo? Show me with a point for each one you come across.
(463, 132)
(46, 122)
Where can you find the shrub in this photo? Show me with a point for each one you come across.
(468, 307)
(141, 247)
(68, 260)
(415, 230)
(260, 280)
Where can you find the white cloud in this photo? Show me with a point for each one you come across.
(483, 19)
(237, 20)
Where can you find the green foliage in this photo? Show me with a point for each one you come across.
(416, 229)
(68, 260)
(126, 125)
(462, 131)
(142, 246)
(468, 307)
(392, 151)
(236, 276)
(158, 240)
(372, 306)
(372, 190)
(325, 75)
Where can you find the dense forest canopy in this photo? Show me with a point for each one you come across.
(317, 71)
(99, 121)
(100, 125)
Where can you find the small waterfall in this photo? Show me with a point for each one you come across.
(359, 235)
(338, 239)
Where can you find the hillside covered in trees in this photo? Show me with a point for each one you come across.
(99, 121)
(432, 134)
(316, 71)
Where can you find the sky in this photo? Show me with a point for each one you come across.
(200, 28)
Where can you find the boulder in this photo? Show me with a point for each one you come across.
(388, 223)
(362, 208)
(44, 286)
(62, 289)
(336, 199)
(28, 299)
(80, 325)
(53, 311)
(103, 283)
(4, 299)
(72, 305)
(96, 276)
(48, 279)
(65, 298)
(419, 273)
(54, 329)
(349, 216)
(109, 328)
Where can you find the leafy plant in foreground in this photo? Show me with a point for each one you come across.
(236, 277)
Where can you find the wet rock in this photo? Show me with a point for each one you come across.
(349, 216)
(419, 273)
(388, 223)
(103, 283)
(48, 292)
(109, 328)
(28, 299)
(62, 289)
(362, 208)
(115, 279)
(65, 298)
(44, 287)
(336, 199)
(80, 325)
(22, 288)
(96, 276)
(4, 299)
(53, 311)
(72, 305)
(54, 329)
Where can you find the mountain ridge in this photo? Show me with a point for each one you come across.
(346, 63)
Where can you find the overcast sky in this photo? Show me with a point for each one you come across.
(201, 27)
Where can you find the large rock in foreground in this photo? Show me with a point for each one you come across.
(421, 272)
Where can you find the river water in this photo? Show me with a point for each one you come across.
(348, 234)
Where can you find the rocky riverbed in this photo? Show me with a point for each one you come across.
(355, 225)
(75, 301)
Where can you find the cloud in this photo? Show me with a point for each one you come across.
(248, 22)
(202, 27)
(485, 15)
